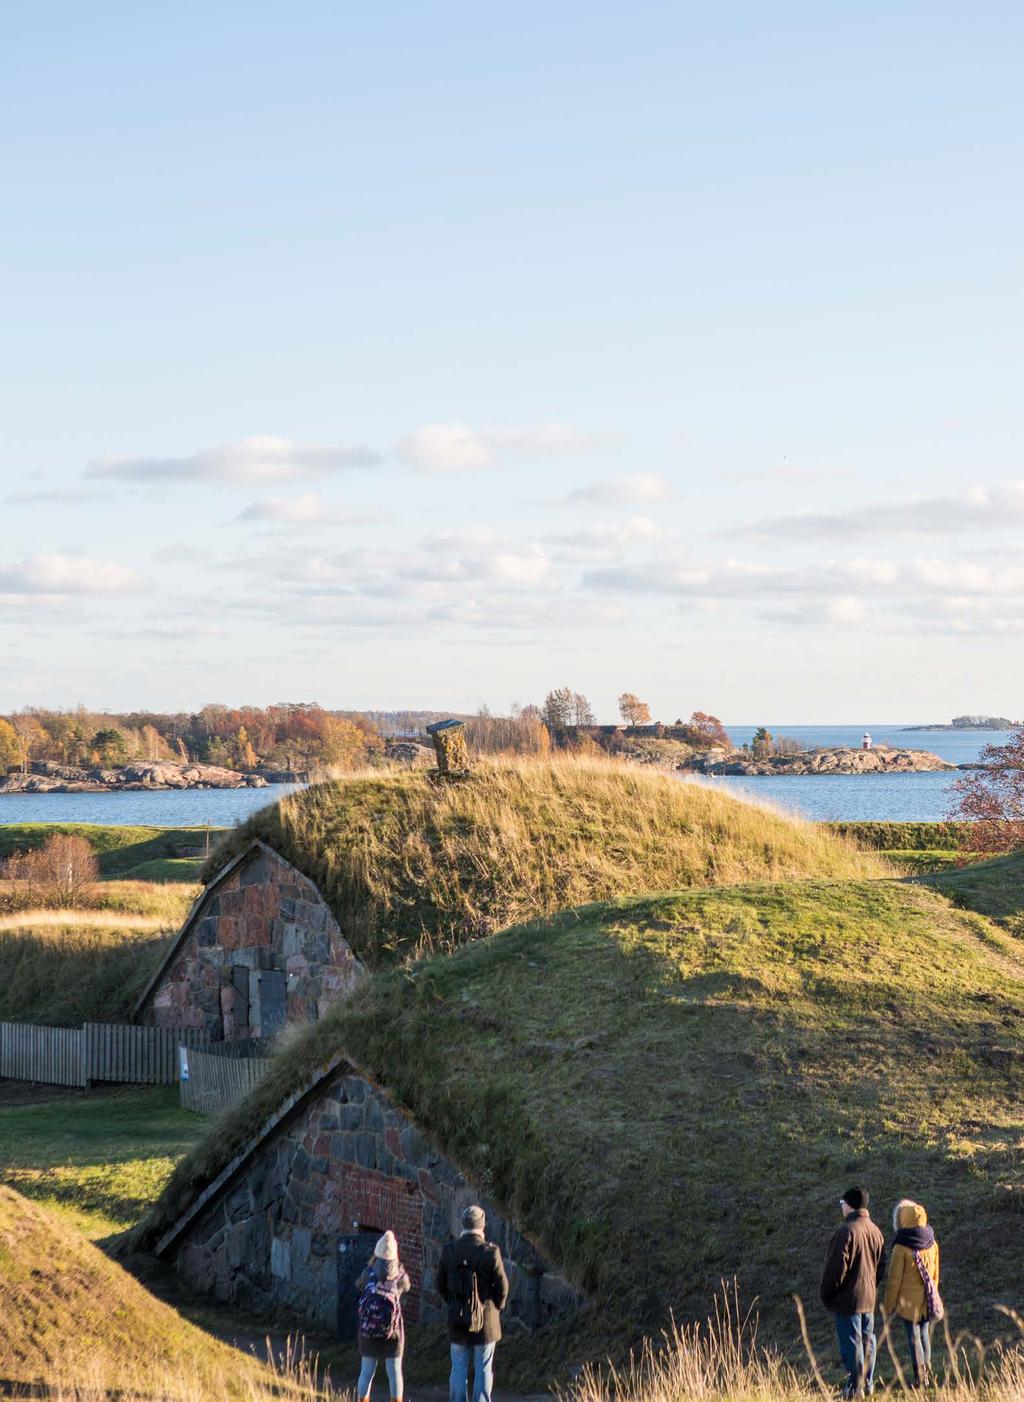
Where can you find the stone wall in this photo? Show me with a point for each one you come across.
(349, 1161)
(262, 948)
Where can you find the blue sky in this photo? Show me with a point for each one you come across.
(439, 354)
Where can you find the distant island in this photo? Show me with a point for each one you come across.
(968, 723)
(837, 760)
(64, 778)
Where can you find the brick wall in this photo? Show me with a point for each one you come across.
(349, 1159)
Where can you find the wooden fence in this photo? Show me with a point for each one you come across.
(212, 1080)
(51, 1054)
(99, 1051)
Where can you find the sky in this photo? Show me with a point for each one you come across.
(436, 355)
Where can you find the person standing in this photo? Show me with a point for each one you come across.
(854, 1267)
(471, 1280)
(381, 1325)
(912, 1290)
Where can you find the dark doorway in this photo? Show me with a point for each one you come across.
(354, 1253)
(273, 1001)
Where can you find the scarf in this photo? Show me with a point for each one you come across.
(915, 1238)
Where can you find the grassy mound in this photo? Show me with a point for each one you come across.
(995, 888)
(668, 1091)
(412, 865)
(70, 1316)
(65, 967)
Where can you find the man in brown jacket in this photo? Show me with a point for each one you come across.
(471, 1280)
(854, 1267)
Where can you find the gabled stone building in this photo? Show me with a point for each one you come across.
(260, 948)
(290, 1222)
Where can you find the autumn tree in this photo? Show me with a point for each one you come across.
(989, 801)
(582, 714)
(710, 731)
(634, 711)
(10, 746)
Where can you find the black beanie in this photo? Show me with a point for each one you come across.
(856, 1198)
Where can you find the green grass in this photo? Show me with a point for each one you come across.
(887, 837)
(995, 888)
(412, 865)
(121, 850)
(96, 1158)
(670, 1091)
(916, 863)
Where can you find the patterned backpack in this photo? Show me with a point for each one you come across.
(380, 1313)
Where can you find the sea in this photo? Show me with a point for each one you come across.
(893, 797)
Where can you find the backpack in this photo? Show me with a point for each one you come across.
(934, 1308)
(465, 1308)
(380, 1314)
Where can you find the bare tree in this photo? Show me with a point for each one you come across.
(58, 873)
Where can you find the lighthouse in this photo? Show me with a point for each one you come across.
(865, 744)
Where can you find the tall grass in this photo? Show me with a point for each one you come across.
(412, 865)
(722, 1361)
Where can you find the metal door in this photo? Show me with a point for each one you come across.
(273, 1001)
(353, 1254)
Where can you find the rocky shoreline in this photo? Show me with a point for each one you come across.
(882, 760)
(147, 774)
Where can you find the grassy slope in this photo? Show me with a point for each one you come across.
(673, 1090)
(99, 1158)
(69, 1314)
(995, 888)
(66, 967)
(122, 851)
(410, 865)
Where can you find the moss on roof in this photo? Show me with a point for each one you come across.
(411, 865)
(669, 1091)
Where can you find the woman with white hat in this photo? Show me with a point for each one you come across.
(381, 1326)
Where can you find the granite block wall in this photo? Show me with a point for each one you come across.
(263, 917)
(350, 1161)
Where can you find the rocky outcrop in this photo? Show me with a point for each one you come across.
(882, 760)
(146, 774)
(410, 753)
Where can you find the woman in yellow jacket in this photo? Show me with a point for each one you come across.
(906, 1293)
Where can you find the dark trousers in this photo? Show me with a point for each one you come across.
(920, 1345)
(857, 1347)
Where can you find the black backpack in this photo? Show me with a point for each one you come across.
(465, 1308)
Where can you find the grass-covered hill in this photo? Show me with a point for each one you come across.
(72, 1319)
(673, 1090)
(64, 967)
(413, 865)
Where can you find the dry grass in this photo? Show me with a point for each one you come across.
(411, 865)
(66, 966)
(71, 1318)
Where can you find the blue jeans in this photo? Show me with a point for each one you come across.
(369, 1367)
(483, 1372)
(857, 1346)
(920, 1345)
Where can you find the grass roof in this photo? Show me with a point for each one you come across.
(667, 1091)
(411, 865)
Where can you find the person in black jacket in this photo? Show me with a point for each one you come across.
(471, 1280)
(854, 1268)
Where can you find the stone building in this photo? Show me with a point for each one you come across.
(259, 948)
(291, 1221)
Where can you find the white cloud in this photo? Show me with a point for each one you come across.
(68, 574)
(612, 535)
(994, 508)
(634, 487)
(259, 459)
(455, 447)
